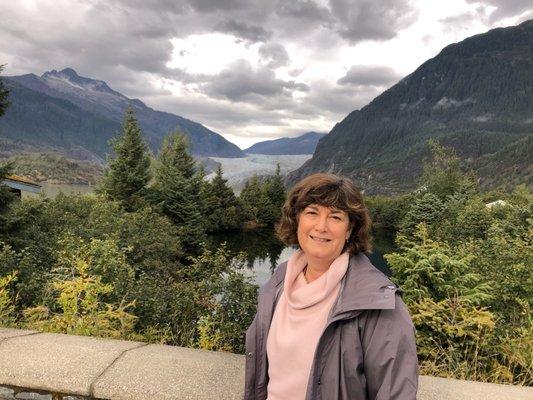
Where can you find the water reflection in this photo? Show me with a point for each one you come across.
(259, 244)
(264, 251)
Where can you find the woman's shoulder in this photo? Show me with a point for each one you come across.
(364, 271)
(366, 287)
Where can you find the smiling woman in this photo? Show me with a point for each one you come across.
(329, 325)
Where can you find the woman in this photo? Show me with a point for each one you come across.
(329, 325)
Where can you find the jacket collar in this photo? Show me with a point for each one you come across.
(363, 287)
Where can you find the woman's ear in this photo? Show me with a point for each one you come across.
(350, 229)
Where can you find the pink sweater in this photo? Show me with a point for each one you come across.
(298, 322)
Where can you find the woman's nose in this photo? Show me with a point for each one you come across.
(321, 224)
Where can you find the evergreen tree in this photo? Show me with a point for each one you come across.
(6, 196)
(221, 205)
(175, 158)
(275, 193)
(5, 169)
(254, 202)
(177, 191)
(3, 95)
(442, 175)
(128, 173)
(428, 208)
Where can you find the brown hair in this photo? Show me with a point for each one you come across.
(331, 191)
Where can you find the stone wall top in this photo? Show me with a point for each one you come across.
(90, 367)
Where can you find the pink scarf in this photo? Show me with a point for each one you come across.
(298, 322)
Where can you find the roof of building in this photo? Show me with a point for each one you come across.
(21, 183)
(21, 179)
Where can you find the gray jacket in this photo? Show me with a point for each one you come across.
(366, 352)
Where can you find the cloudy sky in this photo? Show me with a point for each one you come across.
(249, 69)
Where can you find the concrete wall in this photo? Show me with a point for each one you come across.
(46, 366)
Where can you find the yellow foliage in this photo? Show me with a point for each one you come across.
(7, 308)
(209, 337)
(81, 310)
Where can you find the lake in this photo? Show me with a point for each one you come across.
(264, 251)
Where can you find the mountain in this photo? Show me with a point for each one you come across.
(475, 96)
(63, 109)
(52, 123)
(304, 144)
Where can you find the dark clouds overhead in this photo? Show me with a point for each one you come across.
(306, 10)
(274, 55)
(136, 34)
(243, 30)
(241, 82)
(372, 20)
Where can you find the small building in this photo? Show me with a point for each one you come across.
(18, 184)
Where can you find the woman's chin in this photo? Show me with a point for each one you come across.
(322, 255)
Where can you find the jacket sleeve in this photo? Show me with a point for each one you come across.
(390, 361)
(250, 368)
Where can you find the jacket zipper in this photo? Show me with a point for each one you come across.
(316, 358)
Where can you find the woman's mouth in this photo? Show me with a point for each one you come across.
(319, 239)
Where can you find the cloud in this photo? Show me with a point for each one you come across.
(505, 8)
(218, 5)
(305, 10)
(243, 30)
(92, 40)
(458, 21)
(241, 82)
(371, 20)
(178, 7)
(336, 101)
(367, 75)
(274, 55)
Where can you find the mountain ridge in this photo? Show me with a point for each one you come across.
(96, 98)
(303, 144)
(475, 96)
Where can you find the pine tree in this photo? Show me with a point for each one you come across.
(5, 169)
(6, 196)
(177, 189)
(128, 173)
(275, 192)
(221, 205)
(442, 175)
(175, 158)
(254, 202)
(3, 95)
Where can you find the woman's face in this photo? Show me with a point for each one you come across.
(322, 232)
